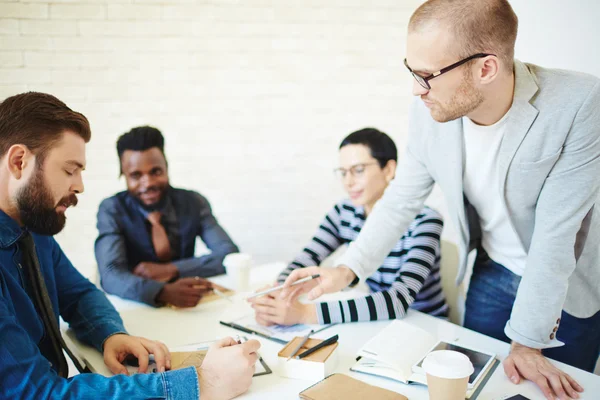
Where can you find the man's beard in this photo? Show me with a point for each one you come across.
(466, 99)
(37, 209)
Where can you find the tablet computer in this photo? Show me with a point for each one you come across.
(481, 360)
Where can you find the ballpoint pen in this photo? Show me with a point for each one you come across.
(324, 343)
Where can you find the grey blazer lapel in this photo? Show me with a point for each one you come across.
(452, 149)
(522, 115)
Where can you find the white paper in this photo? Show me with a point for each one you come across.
(281, 332)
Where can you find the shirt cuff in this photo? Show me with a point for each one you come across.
(102, 332)
(528, 342)
(333, 312)
(151, 292)
(101, 349)
(355, 267)
(181, 384)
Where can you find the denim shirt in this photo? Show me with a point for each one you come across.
(124, 240)
(24, 372)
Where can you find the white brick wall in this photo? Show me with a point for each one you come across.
(253, 97)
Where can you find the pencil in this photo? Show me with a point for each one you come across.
(304, 340)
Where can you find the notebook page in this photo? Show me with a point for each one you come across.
(399, 345)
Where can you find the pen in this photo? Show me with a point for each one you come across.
(324, 343)
(222, 295)
(308, 278)
(304, 340)
(250, 331)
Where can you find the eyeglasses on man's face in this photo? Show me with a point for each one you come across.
(357, 170)
(424, 80)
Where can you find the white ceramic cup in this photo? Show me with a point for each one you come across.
(237, 266)
(447, 374)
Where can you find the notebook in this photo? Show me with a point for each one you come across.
(340, 386)
(399, 349)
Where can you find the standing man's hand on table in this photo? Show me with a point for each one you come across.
(118, 347)
(331, 280)
(525, 362)
(227, 369)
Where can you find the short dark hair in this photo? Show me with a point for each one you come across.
(382, 147)
(38, 120)
(140, 138)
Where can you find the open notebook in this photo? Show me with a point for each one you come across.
(398, 350)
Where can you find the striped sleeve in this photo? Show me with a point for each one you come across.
(393, 302)
(325, 241)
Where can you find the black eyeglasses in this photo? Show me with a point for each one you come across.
(424, 80)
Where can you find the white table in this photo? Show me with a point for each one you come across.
(181, 327)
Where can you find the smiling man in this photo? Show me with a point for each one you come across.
(516, 150)
(147, 234)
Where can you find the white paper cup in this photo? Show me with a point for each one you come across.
(237, 267)
(447, 374)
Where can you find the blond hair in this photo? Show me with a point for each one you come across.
(477, 26)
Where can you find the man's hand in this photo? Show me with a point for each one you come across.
(272, 310)
(119, 346)
(525, 362)
(185, 292)
(155, 271)
(227, 369)
(331, 280)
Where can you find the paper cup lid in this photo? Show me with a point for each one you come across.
(448, 364)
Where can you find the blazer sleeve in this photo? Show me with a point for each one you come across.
(216, 239)
(564, 208)
(115, 276)
(394, 212)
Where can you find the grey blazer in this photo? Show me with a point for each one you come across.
(550, 164)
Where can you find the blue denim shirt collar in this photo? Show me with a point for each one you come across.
(10, 231)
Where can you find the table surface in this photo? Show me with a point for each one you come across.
(200, 324)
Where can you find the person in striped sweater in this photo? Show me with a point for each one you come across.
(410, 274)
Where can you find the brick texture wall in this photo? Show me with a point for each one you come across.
(253, 96)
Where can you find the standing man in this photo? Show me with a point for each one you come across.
(516, 150)
(42, 157)
(147, 234)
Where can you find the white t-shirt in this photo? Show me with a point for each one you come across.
(482, 188)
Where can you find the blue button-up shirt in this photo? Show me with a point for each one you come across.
(24, 372)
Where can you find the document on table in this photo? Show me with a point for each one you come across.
(278, 332)
(193, 355)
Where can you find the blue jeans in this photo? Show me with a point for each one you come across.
(490, 298)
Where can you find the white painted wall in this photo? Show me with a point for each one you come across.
(253, 96)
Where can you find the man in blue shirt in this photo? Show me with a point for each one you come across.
(42, 156)
(147, 234)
